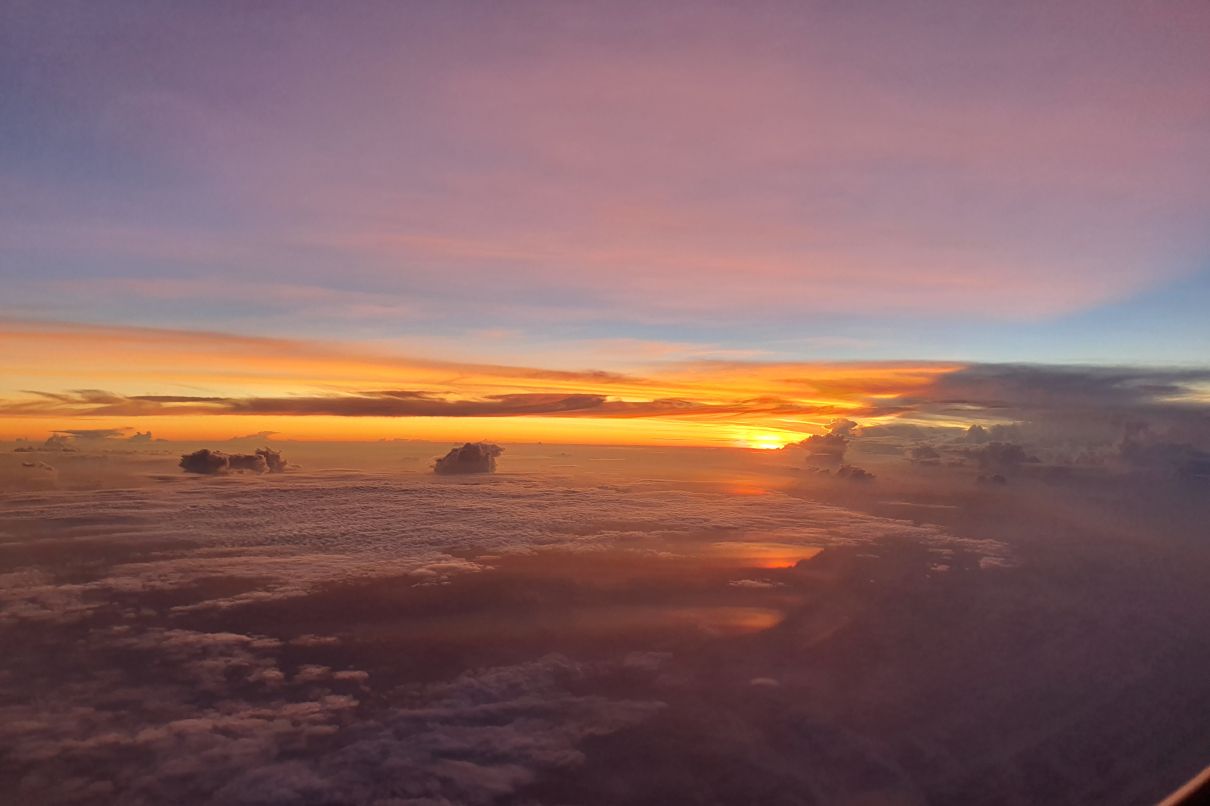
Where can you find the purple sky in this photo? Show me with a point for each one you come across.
(1022, 181)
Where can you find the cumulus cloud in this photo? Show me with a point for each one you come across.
(59, 442)
(1144, 449)
(273, 459)
(830, 446)
(208, 462)
(1001, 456)
(842, 426)
(256, 736)
(976, 434)
(473, 457)
(853, 473)
(252, 462)
(924, 454)
(204, 461)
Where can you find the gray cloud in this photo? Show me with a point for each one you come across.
(842, 426)
(1037, 388)
(269, 737)
(924, 454)
(38, 466)
(208, 462)
(93, 433)
(1001, 456)
(260, 436)
(829, 447)
(1142, 448)
(854, 473)
(473, 457)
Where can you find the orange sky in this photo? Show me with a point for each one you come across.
(198, 385)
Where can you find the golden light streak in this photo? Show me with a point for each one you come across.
(754, 405)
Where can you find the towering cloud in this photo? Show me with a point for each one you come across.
(473, 457)
(830, 447)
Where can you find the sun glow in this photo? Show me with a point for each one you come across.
(765, 440)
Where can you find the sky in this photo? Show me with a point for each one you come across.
(605, 403)
(464, 200)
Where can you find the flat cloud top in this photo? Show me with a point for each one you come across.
(309, 529)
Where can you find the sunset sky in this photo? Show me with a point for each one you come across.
(604, 402)
(681, 223)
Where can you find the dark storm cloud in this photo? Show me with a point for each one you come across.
(473, 457)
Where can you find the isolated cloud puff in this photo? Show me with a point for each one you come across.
(473, 457)
(208, 462)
